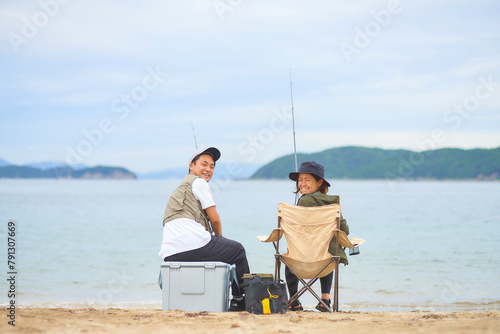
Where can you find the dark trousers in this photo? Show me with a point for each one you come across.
(219, 249)
(292, 282)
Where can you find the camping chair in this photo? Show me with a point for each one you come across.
(308, 231)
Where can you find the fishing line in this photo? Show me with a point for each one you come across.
(293, 127)
(293, 123)
(194, 135)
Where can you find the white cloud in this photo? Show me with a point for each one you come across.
(227, 74)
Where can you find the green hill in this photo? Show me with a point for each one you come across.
(99, 172)
(354, 162)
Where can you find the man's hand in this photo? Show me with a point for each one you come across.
(214, 217)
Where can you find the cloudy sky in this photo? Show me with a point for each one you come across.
(123, 83)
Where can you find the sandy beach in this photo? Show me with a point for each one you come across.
(66, 320)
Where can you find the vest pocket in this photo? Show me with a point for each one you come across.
(176, 202)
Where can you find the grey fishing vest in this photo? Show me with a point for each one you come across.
(183, 204)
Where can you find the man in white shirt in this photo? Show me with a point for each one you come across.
(192, 229)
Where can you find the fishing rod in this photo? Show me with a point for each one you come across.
(194, 135)
(294, 142)
(293, 123)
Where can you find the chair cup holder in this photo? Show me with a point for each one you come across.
(354, 251)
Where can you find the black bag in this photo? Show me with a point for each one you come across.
(263, 295)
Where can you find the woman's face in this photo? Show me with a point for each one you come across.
(308, 184)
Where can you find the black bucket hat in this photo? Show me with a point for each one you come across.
(310, 167)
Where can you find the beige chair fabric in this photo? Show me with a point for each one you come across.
(308, 231)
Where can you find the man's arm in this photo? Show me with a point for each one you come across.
(214, 217)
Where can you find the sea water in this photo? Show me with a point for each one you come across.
(430, 245)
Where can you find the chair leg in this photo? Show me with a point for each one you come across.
(336, 289)
(307, 285)
(277, 269)
(301, 291)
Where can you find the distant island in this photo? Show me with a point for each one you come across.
(65, 172)
(349, 162)
(353, 162)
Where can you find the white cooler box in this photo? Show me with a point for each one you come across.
(196, 286)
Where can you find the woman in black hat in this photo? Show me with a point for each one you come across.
(312, 185)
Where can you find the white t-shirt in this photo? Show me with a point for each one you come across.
(184, 234)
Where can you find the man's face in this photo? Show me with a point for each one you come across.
(203, 167)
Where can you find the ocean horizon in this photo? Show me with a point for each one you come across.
(430, 245)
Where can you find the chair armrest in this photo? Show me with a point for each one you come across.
(357, 241)
(346, 242)
(275, 235)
